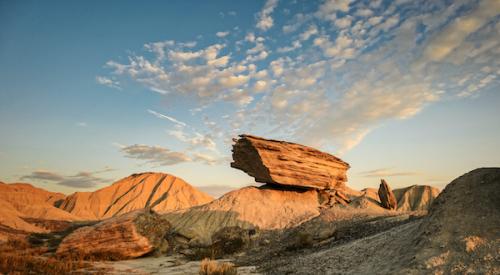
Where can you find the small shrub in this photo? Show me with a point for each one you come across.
(300, 241)
(210, 267)
(17, 256)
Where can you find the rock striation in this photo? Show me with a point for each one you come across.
(387, 198)
(127, 236)
(288, 164)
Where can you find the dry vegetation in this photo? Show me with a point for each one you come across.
(211, 267)
(17, 256)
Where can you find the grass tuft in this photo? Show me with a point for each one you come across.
(211, 267)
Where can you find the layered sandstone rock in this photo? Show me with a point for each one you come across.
(127, 236)
(158, 191)
(288, 164)
(387, 198)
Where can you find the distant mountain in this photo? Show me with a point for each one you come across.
(20, 202)
(34, 202)
(158, 191)
(415, 197)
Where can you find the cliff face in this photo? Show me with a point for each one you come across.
(158, 191)
(288, 164)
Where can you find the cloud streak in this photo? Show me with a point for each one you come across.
(169, 118)
(79, 180)
(162, 156)
(154, 154)
(386, 172)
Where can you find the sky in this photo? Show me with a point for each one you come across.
(93, 91)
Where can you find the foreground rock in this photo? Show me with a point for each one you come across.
(459, 236)
(158, 191)
(461, 233)
(387, 198)
(124, 237)
(288, 164)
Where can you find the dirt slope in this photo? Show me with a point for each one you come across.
(161, 192)
(247, 207)
(33, 202)
(10, 217)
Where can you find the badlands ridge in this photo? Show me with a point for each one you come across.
(304, 213)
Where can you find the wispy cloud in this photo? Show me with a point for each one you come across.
(386, 172)
(169, 118)
(222, 34)
(162, 156)
(265, 20)
(154, 154)
(79, 180)
(108, 82)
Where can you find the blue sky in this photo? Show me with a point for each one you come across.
(93, 91)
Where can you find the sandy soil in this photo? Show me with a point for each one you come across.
(171, 265)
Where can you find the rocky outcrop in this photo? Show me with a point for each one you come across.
(415, 197)
(157, 191)
(288, 164)
(128, 236)
(387, 198)
(460, 234)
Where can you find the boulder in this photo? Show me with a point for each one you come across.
(288, 164)
(387, 198)
(127, 236)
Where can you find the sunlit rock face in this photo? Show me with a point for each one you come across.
(158, 191)
(387, 198)
(288, 164)
(127, 236)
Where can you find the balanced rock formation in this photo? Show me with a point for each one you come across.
(288, 164)
(127, 236)
(157, 191)
(387, 198)
(415, 197)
